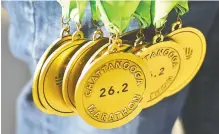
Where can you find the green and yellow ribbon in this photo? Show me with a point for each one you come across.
(116, 15)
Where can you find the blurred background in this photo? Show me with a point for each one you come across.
(12, 70)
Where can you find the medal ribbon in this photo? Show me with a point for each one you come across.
(73, 9)
(143, 13)
(161, 8)
(116, 15)
(95, 12)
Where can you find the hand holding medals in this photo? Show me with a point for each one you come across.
(108, 81)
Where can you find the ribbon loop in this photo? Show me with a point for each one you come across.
(73, 9)
(143, 14)
(116, 15)
(161, 9)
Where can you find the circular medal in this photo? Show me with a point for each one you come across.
(35, 91)
(110, 90)
(193, 44)
(50, 80)
(103, 50)
(75, 67)
(164, 62)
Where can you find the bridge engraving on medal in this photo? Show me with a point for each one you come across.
(59, 79)
(188, 52)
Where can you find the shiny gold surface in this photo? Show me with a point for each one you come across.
(109, 93)
(111, 87)
(103, 51)
(193, 44)
(50, 80)
(164, 62)
(75, 67)
(157, 38)
(35, 91)
(193, 47)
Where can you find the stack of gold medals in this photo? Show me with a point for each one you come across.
(108, 81)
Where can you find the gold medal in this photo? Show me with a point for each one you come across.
(103, 50)
(76, 65)
(50, 80)
(35, 88)
(164, 62)
(110, 89)
(193, 44)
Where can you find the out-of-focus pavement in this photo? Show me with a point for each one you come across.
(14, 76)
